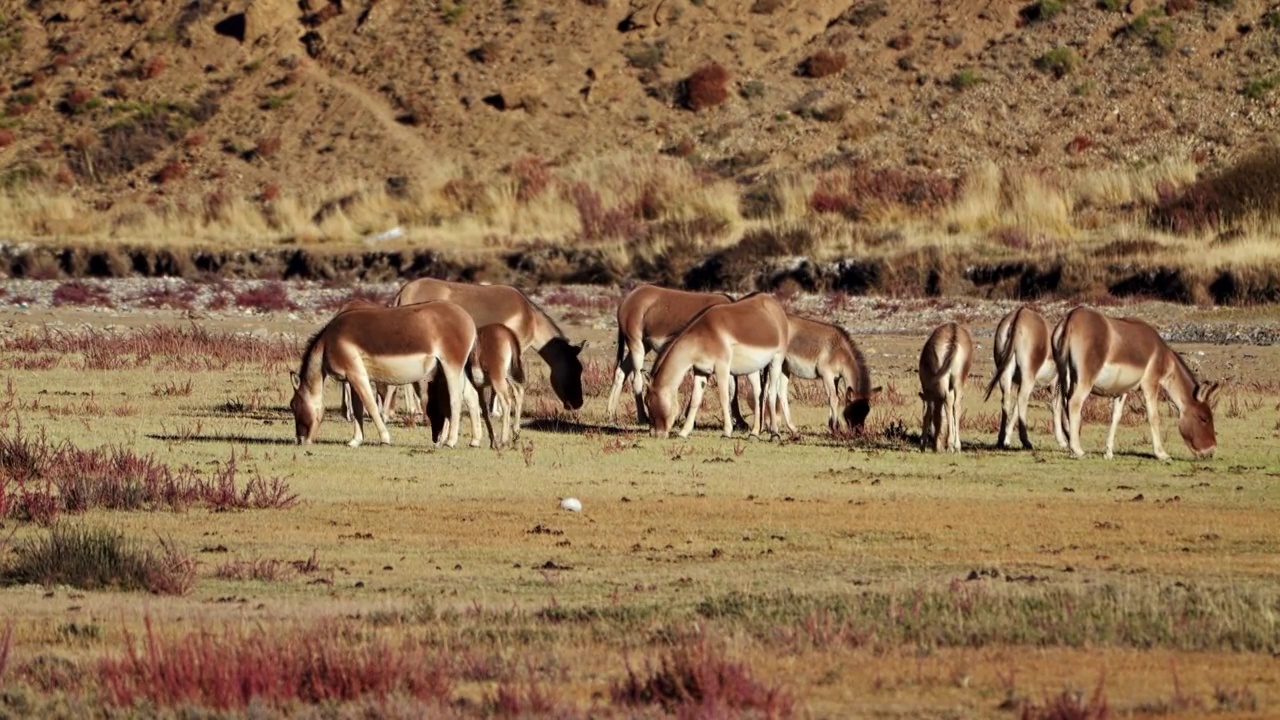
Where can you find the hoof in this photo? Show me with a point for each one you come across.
(386, 439)
(355, 442)
(476, 443)
(1108, 455)
(1164, 457)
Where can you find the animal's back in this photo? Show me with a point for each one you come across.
(485, 304)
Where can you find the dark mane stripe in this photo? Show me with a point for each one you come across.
(554, 325)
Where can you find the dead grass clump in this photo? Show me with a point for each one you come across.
(698, 681)
(601, 223)
(1249, 188)
(172, 171)
(767, 7)
(707, 87)
(260, 569)
(236, 669)
(823, 63)
(1071, 706)
(191, 348)
(129, 143)
(99, 558)
(152, 67)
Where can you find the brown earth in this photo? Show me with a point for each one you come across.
(124, 101)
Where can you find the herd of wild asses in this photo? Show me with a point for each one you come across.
(451, 342)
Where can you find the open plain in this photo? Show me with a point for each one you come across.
(806, 576)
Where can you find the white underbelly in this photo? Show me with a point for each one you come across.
(744, 359)
(800, 368)
(1048, 371)
(397, 369)
(1114, 380)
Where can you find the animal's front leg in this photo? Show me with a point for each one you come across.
(695, 402)
(361, 388)
(1152, 397)
(1055, 406)
(478, 409)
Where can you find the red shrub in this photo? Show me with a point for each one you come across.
(152, 67)
(6, 137)
(533, 177)
(707, 87)
(823, 63)
(267, 146)
(80, 293)
(78, 96)
(270, 192)
(195, 139)
(1173, 7)
(1079, 144)
(236, 669)
(172, 170)
(271, 297)
(699, 682)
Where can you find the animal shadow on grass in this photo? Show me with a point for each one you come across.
(574, 427)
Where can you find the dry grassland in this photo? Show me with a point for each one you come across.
(807, 576)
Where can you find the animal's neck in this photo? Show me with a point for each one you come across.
(1180, 384)
(675, 363)
(311, 376)
(544, 331)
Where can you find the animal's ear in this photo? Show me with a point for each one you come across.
(581, 347)
(295, 378)
(874, 391)
(1208, 393)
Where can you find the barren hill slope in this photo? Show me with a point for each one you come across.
(236, 95)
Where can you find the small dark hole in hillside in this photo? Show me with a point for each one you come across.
(232, 26)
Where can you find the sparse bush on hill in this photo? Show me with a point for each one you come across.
(823, 63)
(864, 14)
(964, 78)
(1060, 61)
(706, 88)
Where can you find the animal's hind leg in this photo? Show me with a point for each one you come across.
(620, 373)
(517, 393)
(1117, 409)
(478, 411)
(636, 351)
(455, 378)
(759, 402)
(1055, 406)
(1024, 399)
(1007, 406)
(953, 419)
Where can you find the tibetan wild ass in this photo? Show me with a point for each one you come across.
(738, 338)
(827, 352)
(1023, 357)
(648, 317)
(944, 368)
(495, 364)
(392, 345)
(1111, 357)
(488, 304)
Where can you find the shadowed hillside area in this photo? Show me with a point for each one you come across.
(1059, 148)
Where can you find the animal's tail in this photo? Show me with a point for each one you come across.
(516, 370)
(1003, 352)
(622, 349)
(1068, 374)
(953, 346)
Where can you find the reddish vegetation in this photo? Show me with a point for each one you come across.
(40, 480)
(6, 137)
(192, 347)
(153, 67)
(81, 293)
(707, 87)
(231, 670)
(172, 170)
(270, 297)
(700, 682)
(823, 63)
(267, 147)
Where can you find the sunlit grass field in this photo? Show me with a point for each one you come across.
(805, 576)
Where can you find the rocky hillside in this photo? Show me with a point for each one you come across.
(134, 99)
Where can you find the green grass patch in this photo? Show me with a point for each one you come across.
(98, 558)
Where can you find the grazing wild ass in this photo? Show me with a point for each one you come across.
(724, 340)
(397, 346)
(827, 352)
(1111, 357)
(944, 369)
(648, 318)
(1023, 357)
(495, 364)
(488, 304)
